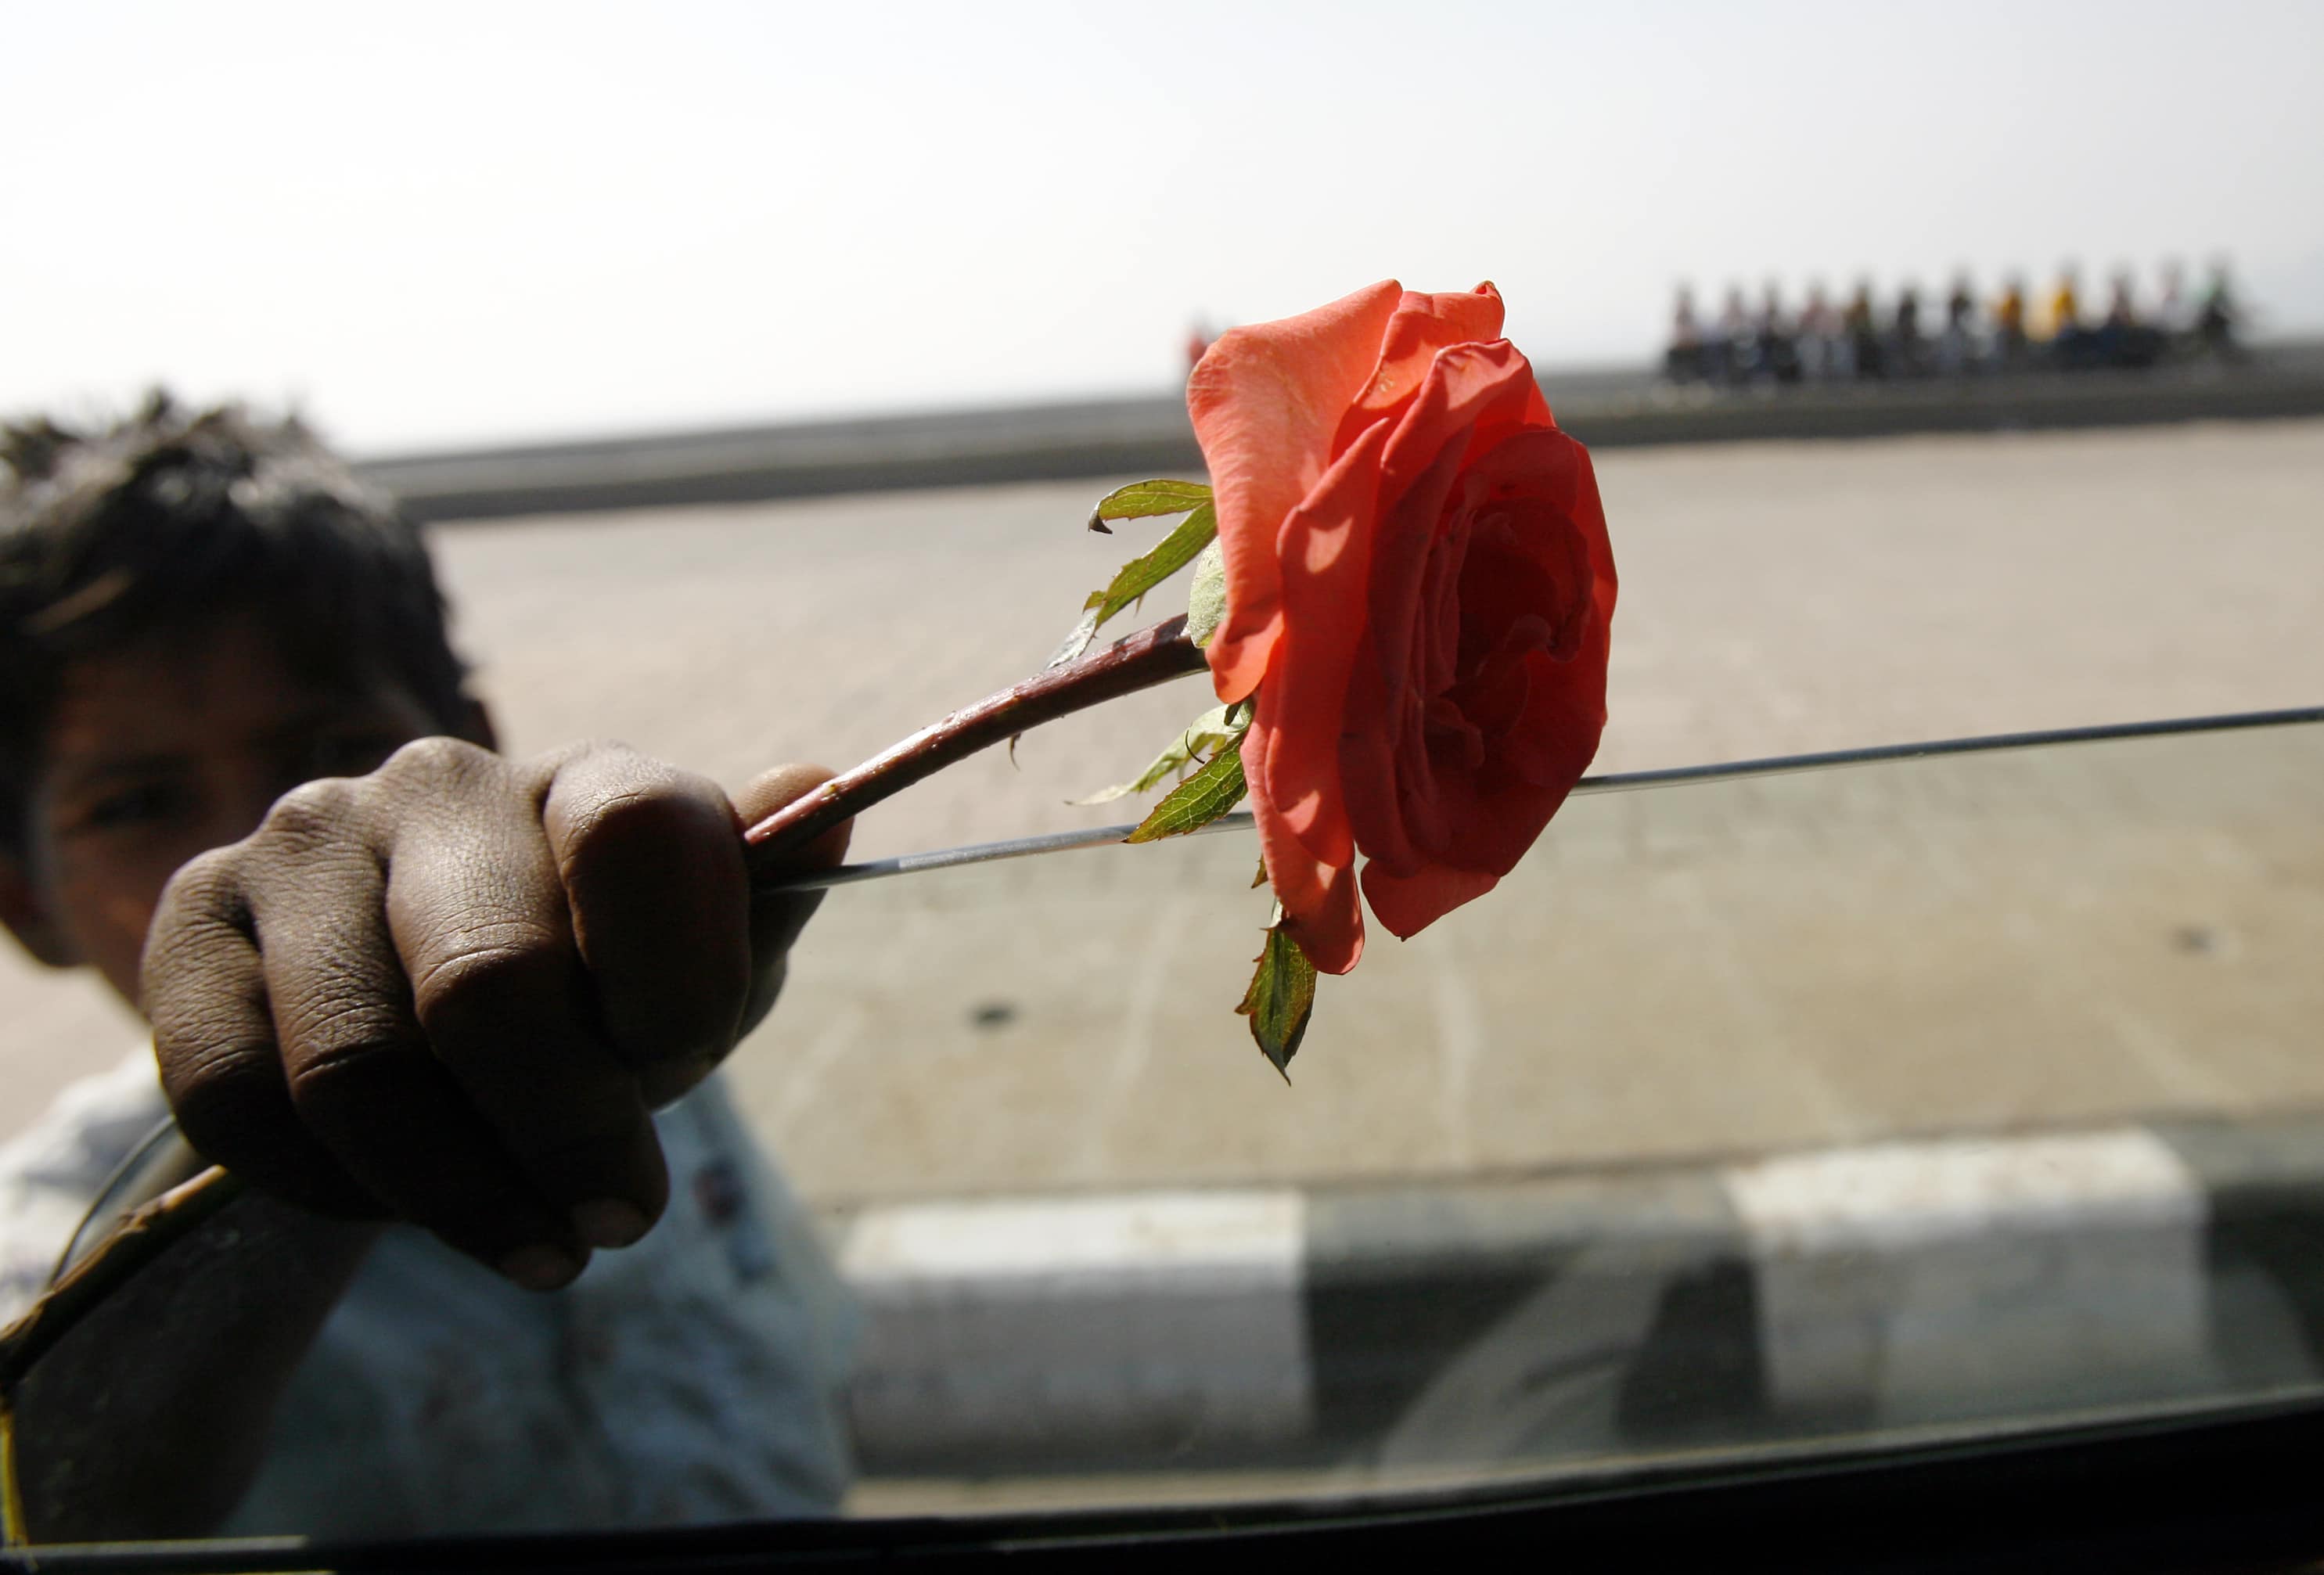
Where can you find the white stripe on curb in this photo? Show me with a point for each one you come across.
(1150, 1317)
(1935, 1280)
(1139, 1232)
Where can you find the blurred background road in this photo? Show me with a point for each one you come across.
(1007, 1030)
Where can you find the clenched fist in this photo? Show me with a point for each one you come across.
(453, 991)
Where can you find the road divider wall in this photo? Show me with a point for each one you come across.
(1897, 1286)
(1150, 435)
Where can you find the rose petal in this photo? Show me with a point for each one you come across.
(1408, 904)
(1468, 387)
(1325, 559)
(1266, 403)
(1499, 812)
(1573, 481)
(1383, 759)
(1422, 326)
(1318, 899)
(1331, 931)
(1565, 717)
(1535, 758)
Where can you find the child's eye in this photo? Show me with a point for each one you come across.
(141, 805)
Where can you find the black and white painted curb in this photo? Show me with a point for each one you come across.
(1891, 1285)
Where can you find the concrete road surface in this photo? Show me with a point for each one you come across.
(1968, 946)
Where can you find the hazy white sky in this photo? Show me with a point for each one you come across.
(435, 223)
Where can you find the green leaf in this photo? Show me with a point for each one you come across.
(1206, 598)
(1214, 729)
(1280, 1000)
(1138, 576)
(1139, 500)
(1196, 802)
(1143, 573)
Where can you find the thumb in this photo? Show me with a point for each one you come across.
(771, 790)
(777, 917)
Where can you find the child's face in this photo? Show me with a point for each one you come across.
(164, 750)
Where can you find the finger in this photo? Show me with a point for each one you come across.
(478, 918)
(204, 991)
(777, 919)
(405, 1129)
(651, 862)
(356, 1066)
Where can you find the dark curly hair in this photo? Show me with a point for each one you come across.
(171, 518)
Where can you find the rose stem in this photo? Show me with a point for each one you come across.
(1141, 661)
(141, 1238)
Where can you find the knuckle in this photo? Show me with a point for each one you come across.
(639, 813)
(170, 988)
(594, 754)
(514, 963)
(207, 885)
(218, 1092)
(326, 1020)
(193, 1064)
(435, 758)
(341, 1076)
(204, 894)
(311, 815)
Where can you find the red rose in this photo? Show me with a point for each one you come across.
(1419, 588)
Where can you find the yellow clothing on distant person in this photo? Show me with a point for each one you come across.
(2065, 310)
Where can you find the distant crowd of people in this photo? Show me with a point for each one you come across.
(1859, 339)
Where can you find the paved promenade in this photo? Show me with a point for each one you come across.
(1968, 946)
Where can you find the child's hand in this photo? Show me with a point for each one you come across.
(452, 990)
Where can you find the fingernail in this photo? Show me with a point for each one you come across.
(609, 1222)
(540, 1269)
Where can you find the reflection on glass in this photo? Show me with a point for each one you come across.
(1963, 1092)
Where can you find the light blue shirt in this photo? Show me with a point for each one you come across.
(697, 1376)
